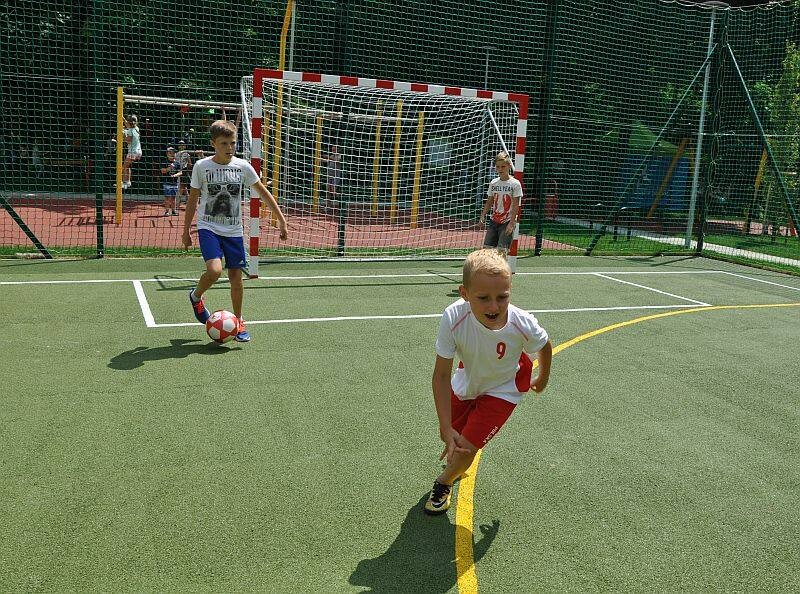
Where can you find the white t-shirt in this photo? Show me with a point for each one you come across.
(490, 357)
(221, 192)
(135, 146)
(502, 193)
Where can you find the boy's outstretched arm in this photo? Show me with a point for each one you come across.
(267, 197)
(441, 398)
(544, 356)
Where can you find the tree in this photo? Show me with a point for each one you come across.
(783, 115)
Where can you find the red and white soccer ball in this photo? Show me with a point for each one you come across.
(221, 326)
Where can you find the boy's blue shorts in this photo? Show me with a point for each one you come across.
(170, 190)
(216, 246)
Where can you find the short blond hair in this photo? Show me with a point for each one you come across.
(222, 128)
(503, 156)
(485, 261)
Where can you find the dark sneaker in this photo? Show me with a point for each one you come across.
(242, 335)
(199, 307)
(439, 500)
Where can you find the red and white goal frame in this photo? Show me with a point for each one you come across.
(257, 119)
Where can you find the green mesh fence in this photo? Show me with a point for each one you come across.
(615, 158)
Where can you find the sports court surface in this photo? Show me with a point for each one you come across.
(136, 455)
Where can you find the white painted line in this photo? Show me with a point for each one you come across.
(74, 282)
(616, 280)
(758, 280)
(148, 315)
(418, 316)
(355, 276)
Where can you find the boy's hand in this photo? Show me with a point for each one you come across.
(539, 385)
(284, 232)
(186, 240)
(453, 444)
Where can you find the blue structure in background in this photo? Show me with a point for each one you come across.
(675, 196)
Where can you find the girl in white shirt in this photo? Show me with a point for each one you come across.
(131, 133)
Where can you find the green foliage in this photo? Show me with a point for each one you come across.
(619, 70)
(782, 108)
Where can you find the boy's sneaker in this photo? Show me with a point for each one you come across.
(439, 499)
(242, 335)
(199, 307)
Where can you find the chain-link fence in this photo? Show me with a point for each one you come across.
(617, 160)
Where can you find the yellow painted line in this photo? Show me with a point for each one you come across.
(465, 560)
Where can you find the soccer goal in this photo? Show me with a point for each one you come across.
(367, 168)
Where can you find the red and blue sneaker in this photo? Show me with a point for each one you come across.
(199, 307)
(242, 335)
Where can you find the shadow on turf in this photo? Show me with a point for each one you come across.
(179, 348)
(422, 557)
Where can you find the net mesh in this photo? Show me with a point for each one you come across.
(603, 77)
(377, 172)
(174, 130)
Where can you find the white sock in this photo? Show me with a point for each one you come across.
(194, 296)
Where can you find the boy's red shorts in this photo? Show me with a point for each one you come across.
(480, 419)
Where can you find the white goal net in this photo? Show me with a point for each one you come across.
(369, 169)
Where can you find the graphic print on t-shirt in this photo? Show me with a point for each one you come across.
(221, 197)
(184, 159)
(501, 209)
(503, 192)
(224, 196)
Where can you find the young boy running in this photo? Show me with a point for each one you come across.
(219, 182)
(490, 337)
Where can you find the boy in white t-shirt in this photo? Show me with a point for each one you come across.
(219, 182)
(490, 337)
(503, 198)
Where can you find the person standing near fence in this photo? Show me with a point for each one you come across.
(132, 138)
(171, 174)
(502, 199)
(184, 159)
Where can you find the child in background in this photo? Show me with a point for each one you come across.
(171, 174)
(131, 135)
(184, 158)
(503, 199)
